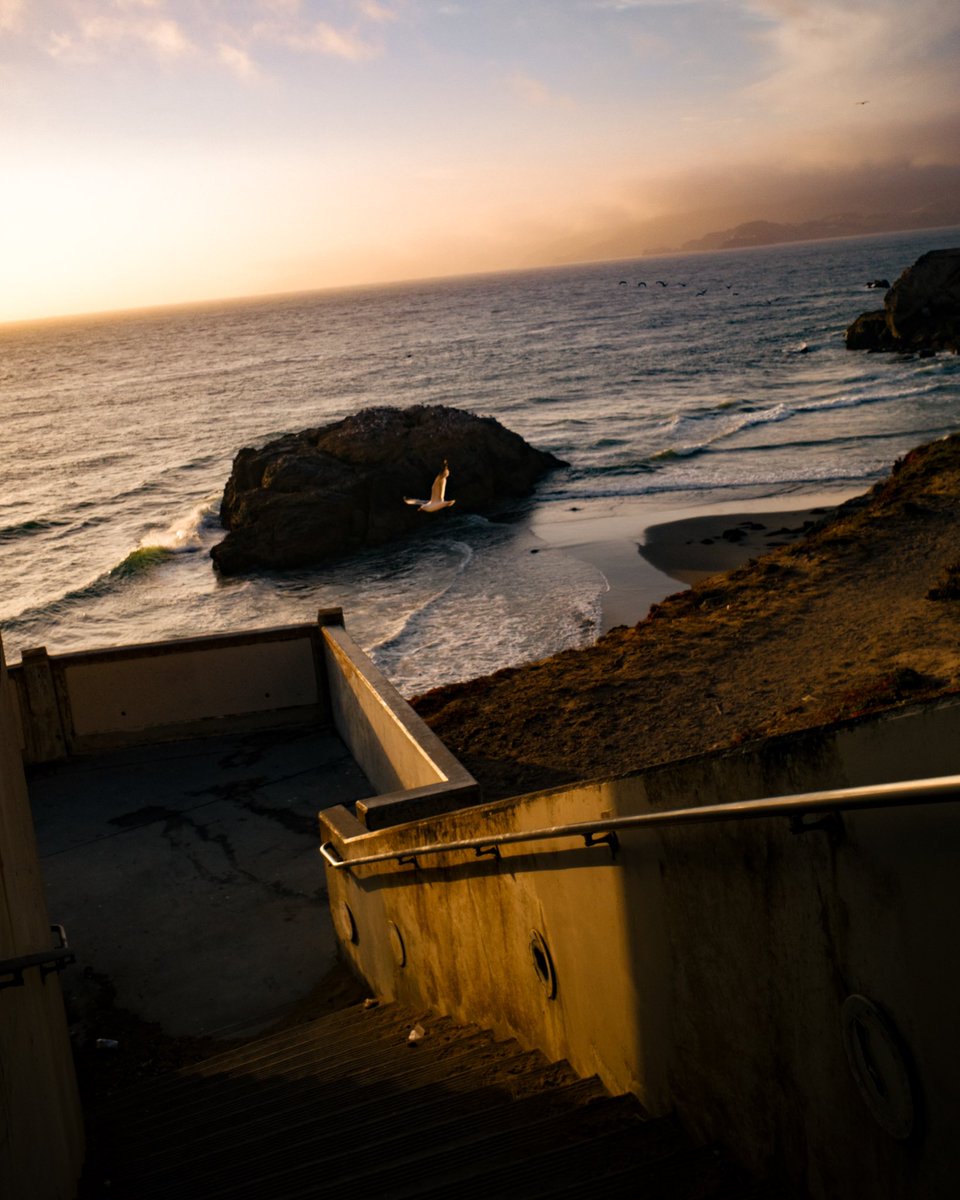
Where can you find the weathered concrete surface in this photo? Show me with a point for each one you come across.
(311, 496)
(348, 1106)
(187, 874)
(413, 772)
(101, 699)
(709, 968)
(41, 1128)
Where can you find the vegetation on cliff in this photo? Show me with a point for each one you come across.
(860, 615)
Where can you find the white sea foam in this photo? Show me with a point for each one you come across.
(185, 534)
(515, 602)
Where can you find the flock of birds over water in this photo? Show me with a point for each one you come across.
(661, 283)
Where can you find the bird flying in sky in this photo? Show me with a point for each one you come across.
(437, 492)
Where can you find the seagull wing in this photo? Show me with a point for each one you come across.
(439, 486)
(418, 503)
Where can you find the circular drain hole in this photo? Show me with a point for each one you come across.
(396, 944)
(878, 1065)
(543, 963)
(345, 923)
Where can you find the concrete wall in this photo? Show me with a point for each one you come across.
(75, 703)
(413, 772)
(732, 972)
(131, 695)
(41, 1130)
(54, 706)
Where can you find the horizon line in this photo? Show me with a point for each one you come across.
(171, 306)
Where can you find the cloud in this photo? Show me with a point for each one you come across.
(238, 61)
(630, 5)
(822, 55)
(94, 35)
(536, 93)
(374, 11)
(338, 43)
(647, 214)
(10, 13)
(166, 38)
(89, 31)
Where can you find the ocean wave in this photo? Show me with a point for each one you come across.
(841, 439)
(31, 528)
(420, 615)
(135, 565)
(729, 423)
(675, 452)
(137, 562)
(536, 602)
(654, 485)
(183, 536)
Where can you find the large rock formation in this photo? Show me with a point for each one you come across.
(311, 496)
(920, 312)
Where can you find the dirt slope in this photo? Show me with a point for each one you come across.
(862, 614)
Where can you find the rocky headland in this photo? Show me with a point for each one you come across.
(860, 614)
(921, 312)
(305, 498)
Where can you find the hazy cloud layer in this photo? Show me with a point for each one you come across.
(91, 30)
(355, 140)
(712, 199)
(827, 54)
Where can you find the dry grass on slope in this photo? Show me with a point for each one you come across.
(860, 615)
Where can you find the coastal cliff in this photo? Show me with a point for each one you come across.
(861, 614)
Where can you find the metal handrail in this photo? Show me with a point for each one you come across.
(56, 959)
(603, 831)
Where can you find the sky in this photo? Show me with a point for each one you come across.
(165, 151)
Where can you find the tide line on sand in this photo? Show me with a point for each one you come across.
(644, 553)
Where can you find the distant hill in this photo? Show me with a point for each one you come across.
(769, 233)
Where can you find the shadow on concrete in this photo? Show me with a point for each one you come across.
(188, 880)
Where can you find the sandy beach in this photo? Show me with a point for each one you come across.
(858, 615)
(644, 550)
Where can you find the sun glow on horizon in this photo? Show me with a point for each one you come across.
(156, 151)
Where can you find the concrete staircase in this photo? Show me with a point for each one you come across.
(348, 1105)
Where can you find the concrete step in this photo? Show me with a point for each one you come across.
(286, 1122)
(305, 1076)
(347, 1105)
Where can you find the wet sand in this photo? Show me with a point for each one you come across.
(695, 547)
(645, 549)
(858, 616)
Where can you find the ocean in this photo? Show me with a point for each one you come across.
(690, 379)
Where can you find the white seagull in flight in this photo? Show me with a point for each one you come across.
(436, 501)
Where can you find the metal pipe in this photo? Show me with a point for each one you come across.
(888, 795)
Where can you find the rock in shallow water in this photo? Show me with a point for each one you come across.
(308, 497)
(921, 311)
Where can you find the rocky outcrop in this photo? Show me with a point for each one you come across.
(871, 332)
(921, 312)
(311, 496)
